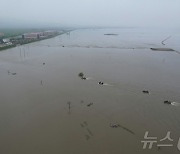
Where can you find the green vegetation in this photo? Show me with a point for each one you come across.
(7, 47)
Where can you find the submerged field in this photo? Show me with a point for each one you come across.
(46, 107)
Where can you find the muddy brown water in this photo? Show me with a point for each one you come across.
(44, 104)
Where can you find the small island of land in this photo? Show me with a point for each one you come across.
(111, 34)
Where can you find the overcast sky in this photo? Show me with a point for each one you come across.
(93, 12)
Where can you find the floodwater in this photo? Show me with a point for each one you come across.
(45, 107)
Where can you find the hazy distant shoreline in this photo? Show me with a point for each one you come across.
(31, 41)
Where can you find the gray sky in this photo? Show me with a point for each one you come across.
(93, 12)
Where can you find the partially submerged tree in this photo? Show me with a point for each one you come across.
(81, 74)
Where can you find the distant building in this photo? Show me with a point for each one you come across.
(9, 43)
(1, 34)
(6, 40)
(1, 41)
(50, 33)
(39, 35)
(32, 35)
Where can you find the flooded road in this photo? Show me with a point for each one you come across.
(45, 107)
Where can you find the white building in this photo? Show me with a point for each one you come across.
(6, 40)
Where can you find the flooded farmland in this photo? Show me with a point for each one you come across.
(45, 107)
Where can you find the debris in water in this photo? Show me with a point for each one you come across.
(165, 40)
(41, 83)
(145, 91)
(83, 78)
(82, 125)
(114, 125)
(111, 34)
(126, 129)
(85, 123)
(101, 83)
(162, 49)
(44, 63)
(69, 104)
(89, 131)
(81, 75)
(118, 125)
(11, 73)
(167, 102)
(87, 137)
(90, 104)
